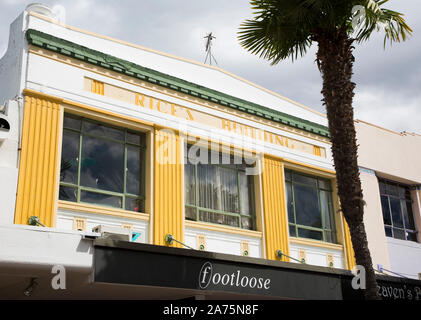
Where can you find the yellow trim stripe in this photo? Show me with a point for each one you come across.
(276, 224)
(36, 194)
(168, 217)
(350, 256)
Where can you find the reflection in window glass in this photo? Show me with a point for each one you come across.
(70, 157)
(386, 211)
(310, 234)
(67, 193)
(307, 210)
(310, 207)
(101, 130)
(70, 122)
(102, 165)
(133, 170)
(101, 199)
(134, 204)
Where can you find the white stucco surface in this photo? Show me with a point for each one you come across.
(198, 73)
(405, 257)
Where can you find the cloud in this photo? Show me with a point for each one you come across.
(390, 109)
(388, 79)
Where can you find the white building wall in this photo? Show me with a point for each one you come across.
(317, 255)
(45, 75)
(373, 219)
(222, 242)
(37, 247)
(9, 143)
(12, 64)
(197, 73)
(405, 257)
(65, 220)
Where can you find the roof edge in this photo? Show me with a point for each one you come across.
(76, 51)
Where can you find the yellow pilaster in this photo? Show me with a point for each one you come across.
(349, 250)
(168, 196)
(38, 169)
(276, 222)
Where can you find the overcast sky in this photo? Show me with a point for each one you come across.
(388, 81)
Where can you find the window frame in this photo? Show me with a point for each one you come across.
(330, 204)
(252, 216)
(142, 146)
(402, 199)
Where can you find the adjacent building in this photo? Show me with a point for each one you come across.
(143, 175)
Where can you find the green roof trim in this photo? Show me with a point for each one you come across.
(73, 50)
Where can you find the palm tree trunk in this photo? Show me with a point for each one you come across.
(335, 61)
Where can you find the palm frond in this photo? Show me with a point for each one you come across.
(388, 21)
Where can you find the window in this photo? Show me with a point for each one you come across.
(218, 193)
(310, 207)
(397, 211)
(102, 164)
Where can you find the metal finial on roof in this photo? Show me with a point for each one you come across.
(208, 49)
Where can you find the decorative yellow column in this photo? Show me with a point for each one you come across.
(276, 222)
(168, 217)
(350, 256)
(38, 169)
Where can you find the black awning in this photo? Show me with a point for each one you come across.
(125, 263)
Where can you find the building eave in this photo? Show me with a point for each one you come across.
(73, 50)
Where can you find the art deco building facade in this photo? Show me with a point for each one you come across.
(146, 175)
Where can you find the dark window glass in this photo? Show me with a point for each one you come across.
(70, 157)
(399, 234)
(388, 231)
(110, 168)
(134, 138)
(133, 170)
(310, 207)
(325, 184)
(102, 164)
(310, 234)
(386, 211)
(411, 236)
(395, 208)
(191, 213)
(101, 199)
(398, 217)
(189, 184)
(135, 204)
(67, 193)
(299, 178)
(102, 130)
(292, 231)
(307, 210)
(72, 123)
(408, 216)
(290, 203)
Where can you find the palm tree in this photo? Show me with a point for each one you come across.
(284, 29)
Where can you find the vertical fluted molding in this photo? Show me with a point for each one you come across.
(274, 206)
(349, 250)
(168, 215)
(36, 194)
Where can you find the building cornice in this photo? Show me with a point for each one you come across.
(73, 50)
